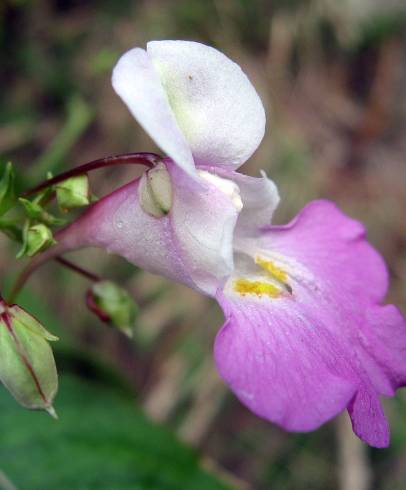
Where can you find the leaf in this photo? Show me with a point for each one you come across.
(7, 189)
(78, 118)
(101, 441)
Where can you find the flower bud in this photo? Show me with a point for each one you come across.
(38, 238)
(112, 304)
(73, 193)
(155, 191)
(27, 366)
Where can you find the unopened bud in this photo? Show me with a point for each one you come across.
(38, 238)
(155, 191)
(73, 193)
(112, 304)
(27, 366)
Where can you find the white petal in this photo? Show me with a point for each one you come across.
(216, 106)
(260, 198)
(136, 81)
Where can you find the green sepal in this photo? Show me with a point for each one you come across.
(36, 238)
(73, 193)
(35, 211)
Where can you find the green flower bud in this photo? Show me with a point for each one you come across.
(113, 304)
(36, 239)
(27, 366)
(73, 193)
(155, 191)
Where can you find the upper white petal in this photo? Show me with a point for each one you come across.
(137, 82)
(215, 105)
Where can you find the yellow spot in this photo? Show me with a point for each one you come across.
(244, 286)
(272, 269)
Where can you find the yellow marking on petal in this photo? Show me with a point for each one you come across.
(259, 288)
(272, 269)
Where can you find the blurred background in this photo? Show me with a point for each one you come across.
(332, 76)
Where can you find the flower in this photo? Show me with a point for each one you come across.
(306, 334)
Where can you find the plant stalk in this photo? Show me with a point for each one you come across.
(142, 158)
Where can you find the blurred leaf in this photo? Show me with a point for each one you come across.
(100, 442)
(104, 61)
(7, 189)
(79, 116)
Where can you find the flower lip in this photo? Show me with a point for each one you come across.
(299, 359)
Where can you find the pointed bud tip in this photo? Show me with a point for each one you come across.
(52, 412)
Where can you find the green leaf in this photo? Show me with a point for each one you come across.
(78, 118)
(7, 189)
(101, 441)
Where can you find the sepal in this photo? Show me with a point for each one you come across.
(155, 191)
(36, 238)
(73, 193)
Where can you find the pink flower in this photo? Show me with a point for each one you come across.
(306, 334)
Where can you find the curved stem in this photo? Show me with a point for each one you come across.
(22, 278)
(35, 263)
(142, 158)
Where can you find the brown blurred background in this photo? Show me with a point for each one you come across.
(332, 76)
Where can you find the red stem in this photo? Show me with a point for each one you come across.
(76, 268)
(142, 158)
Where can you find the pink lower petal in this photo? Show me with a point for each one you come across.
(300, 359)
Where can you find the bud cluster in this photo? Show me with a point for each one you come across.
(29, 221)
